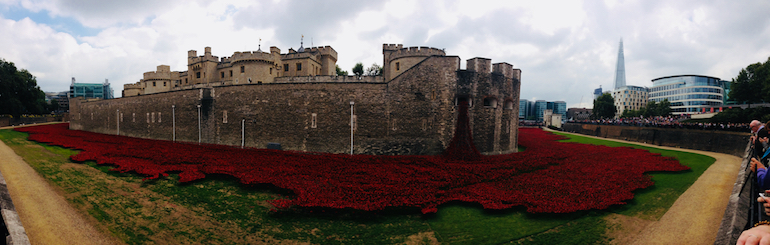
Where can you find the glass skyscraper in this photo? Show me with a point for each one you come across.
(620, 68)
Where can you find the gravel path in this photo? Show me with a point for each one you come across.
(695, 217)
(45, 214)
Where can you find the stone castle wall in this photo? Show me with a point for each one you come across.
(413, 114)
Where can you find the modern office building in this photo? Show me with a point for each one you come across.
(91, 90)
(689, 94)
(597, 92)
(536, 109)
(630, 98)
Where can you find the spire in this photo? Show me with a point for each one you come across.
(620, 68)
(260, 45)
(301, 49)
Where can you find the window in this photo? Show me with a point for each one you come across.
(509, 104)
(185, 81)
(249, 80)
(490, 102)
(231, 73)
(153, 84)
(285, 67)
(313, 121)
(223, 74)
(243, 69)
(271, 71)
(164, 84)
(299, 66)
(198, 74)
(398, 66)
(224, 116)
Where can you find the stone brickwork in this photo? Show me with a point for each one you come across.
(412, 114)
(732, 143)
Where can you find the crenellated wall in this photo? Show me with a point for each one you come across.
(413, 113)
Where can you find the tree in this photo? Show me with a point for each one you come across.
(19, 93)
(358, 69)
(340, 72)
(752, 84)
(53, 105)
(374, 70)
(664, 108)
(604, 107)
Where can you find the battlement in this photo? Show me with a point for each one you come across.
(250, 56)
(414, 51)
(163, 73)
(478, 64)
(325, 50)
(138, 85)
(503, 68)
(192, 56)
(391, 47)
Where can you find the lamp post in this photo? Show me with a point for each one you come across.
(243, 132)
(173, 122)
(199, 124)
(351, 127)
(118, 120)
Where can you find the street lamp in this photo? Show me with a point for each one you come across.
(118, 120)
(173, 122)
(199, 124)
(351, 127)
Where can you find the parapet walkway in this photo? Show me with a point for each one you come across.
(695, 217)
(44, 213)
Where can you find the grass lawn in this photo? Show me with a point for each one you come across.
(219, 210)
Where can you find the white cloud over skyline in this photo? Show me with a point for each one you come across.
(565, 49)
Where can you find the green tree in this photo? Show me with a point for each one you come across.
(664, 108)
(374, 70)
(358, 69)
(19, 93)
(631, 113)
(340, 72)
(650, 110)
(53, 105)
(752, 84)
(604, 107)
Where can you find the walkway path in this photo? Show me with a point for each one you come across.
(695, 217)
(45, 214)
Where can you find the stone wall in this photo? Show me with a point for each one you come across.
(732, 143)
(413, 114)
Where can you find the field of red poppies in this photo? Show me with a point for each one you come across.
(550, 176)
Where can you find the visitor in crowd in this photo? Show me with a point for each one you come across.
(759, 139)
(763, 180)
(760, 233)
(668, 122)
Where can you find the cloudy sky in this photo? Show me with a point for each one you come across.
(565, 49)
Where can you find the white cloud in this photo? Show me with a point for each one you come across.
(565, 49)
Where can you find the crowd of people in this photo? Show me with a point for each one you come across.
(760, 232)
(668, 122)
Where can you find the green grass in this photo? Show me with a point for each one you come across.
(143, 211)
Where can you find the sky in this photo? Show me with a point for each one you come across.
(565, 49)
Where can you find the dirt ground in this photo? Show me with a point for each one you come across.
(45, 214)
(695, 217)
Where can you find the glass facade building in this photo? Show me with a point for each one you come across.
(91, 90)
(689, 94)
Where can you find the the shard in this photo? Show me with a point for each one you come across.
(620, 68)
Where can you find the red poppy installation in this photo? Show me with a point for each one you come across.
(549, 176)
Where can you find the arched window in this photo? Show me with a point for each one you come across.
(490, 102)
(509, 104)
